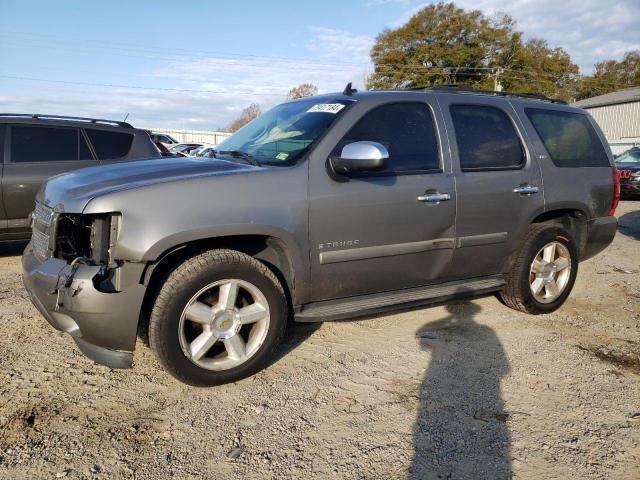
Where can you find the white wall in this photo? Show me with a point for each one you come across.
(618, 121)
(193, 136)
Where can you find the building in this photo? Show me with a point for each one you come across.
(618, 114)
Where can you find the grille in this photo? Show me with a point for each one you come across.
(40, 243)
(43, 214)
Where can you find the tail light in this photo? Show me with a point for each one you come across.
(616, 191)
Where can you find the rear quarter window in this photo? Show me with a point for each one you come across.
(110, 145)
(569, 138)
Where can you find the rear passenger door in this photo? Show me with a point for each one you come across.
(498, 183)
(33, 153)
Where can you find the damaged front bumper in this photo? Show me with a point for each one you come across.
(103, 324)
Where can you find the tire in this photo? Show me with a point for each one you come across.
(518, 292)
(179, 316)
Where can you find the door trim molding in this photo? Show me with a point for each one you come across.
(378, 251)
(485, 239)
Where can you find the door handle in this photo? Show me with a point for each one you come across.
(526, 189)
(434, 197)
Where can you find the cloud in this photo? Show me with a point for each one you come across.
(340, 44)
(196, 111)
(214, 89)
(377, 3)
(590, 30)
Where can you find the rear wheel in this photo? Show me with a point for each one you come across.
(218, 318)
(544, 271)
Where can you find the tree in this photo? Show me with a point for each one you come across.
(303, 90)
(535, 67)
(612, 75)
(444, 44)
(248, 114)
(440, 44)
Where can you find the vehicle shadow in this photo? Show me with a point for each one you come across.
(12, 248)
(461, 427)
(295, 335)
(629, 224)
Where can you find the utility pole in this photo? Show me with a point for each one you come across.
(497, 86)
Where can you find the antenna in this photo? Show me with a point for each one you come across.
(349, 90)
(125, 117)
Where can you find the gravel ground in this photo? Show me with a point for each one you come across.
(468, 390)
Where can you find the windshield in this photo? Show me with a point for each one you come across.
(284, 133)
(630, 156)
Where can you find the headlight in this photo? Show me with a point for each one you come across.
(91, 237)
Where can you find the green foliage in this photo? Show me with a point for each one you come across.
(612, 75)
(441, 44)
(444, 44)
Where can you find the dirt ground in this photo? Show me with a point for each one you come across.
(469, 390)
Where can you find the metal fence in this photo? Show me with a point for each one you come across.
(195, 136)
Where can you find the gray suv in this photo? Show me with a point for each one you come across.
(36, 147)
(323, 208)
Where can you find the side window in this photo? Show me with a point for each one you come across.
(85, 153)
(110, 145)
(486, 138)
(43, 144)
(2, 129)
(569, 138)
(406, 130)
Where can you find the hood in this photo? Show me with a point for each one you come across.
(70, 192)
(634, 167)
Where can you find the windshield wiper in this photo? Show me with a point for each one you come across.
(239, 154)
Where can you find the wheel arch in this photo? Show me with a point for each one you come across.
(574, 220)
(272, 251)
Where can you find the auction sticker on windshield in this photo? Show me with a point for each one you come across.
(326, 108)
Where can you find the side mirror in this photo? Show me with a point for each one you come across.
(360, 157)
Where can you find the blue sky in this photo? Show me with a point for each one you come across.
(196, 64)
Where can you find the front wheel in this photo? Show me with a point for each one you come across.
(544, 271)
(217, 318)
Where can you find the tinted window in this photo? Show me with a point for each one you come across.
(85, 153)
(2, 128)
(486, 138)
(630, 156)
(43, 144)
(569, 138)
(406, 130)
(110, 145)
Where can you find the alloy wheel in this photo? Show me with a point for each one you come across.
(550, 272)
(224, 324)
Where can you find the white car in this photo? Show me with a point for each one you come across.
(186, 149)
(205, 151)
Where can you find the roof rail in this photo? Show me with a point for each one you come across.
(463, 88)
(64, 117)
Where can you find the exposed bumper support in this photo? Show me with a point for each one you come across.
(104, 356)
(104, 325)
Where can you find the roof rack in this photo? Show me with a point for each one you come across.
(64, 117)
(463, 88)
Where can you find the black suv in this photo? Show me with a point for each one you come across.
(36, 147)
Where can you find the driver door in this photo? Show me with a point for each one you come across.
(375, 232)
